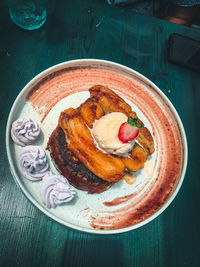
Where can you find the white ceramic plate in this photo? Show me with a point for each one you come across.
(123, 207)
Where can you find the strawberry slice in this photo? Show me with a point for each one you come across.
(127, 132)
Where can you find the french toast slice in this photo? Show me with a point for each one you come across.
(71, 167)
(81, 143)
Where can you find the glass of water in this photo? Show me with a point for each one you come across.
(28, 14)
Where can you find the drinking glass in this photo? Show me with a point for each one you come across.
(28, 14)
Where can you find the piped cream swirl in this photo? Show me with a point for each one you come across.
(56, 190)
(24, 131)
(33, 163)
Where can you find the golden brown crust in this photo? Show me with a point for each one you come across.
(90, 111)
(81, 143)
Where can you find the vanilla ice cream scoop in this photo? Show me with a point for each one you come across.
(105, 132)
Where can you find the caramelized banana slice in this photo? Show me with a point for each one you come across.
(81, 143)
(111, 102)
(90, 111)
(146, 140)
(136, 160)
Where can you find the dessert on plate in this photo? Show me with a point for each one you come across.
(98, 143)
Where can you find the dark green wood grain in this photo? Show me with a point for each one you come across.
(92, 29)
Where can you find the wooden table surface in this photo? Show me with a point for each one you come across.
(93, 29)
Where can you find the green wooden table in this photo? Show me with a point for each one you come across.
(93, 29)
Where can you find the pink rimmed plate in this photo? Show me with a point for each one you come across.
(124, 206)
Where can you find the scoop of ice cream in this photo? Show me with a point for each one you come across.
(105, 132)
(33, 163)
(56, 190)
(24, 131)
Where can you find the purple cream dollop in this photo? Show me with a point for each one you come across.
(56, 190)
(24, 131)
(33, 163)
